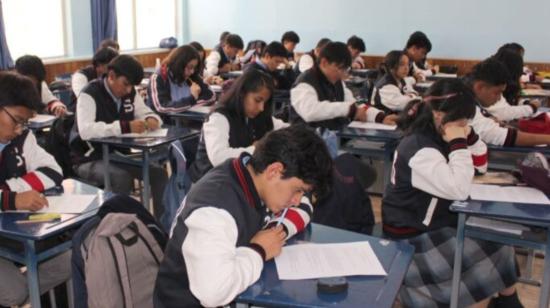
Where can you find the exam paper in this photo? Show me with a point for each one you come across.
(508, 194)
(200, 109)
(308, 261)
(68, 204)
(370, 125)
(161, 132)
(42, 118)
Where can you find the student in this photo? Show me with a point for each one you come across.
(224, 59)
(253, 52)
(221, 40)
(290, 39)
(356, 47)
(417, 48)
(240, 120)
(109, 43)
(271, 58)
(507, 108)
(320, 97)
(26, 170)
(110, 106)
(488, 80)
(178, 86)
(415, 206)
(98, 67)
(209, 264)
(32, 67)
(308, 59)
(213, 80)
(391, 93)
(529, 79)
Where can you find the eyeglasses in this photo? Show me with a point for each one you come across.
(23, 125)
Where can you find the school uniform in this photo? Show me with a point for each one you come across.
(320, 103)
(503, 111)
(225, 135)
(359, 61)
(164, 95)
(25, 166)
(306, 61)
(421, 68)
(81, 78)
(216, 60)
(391, 95)
(100, 114)
(283, 81)
(427, 175)
(490, 131)
(49, 100)
(209, 264)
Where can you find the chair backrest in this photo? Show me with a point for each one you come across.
(57, 143)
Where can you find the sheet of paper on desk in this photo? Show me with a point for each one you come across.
(508, 194)
(42, 118)
(308, 261)
(200, 109)
(445, 75)
(370, 125)
(496, 225)
(68, 204)
(535, 92)
(161, 132)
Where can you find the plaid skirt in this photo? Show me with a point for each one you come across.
(486, 269)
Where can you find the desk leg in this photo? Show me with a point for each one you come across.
(146, 182)
(32, 273)
(242, 305)
(388, 161)
(458, 259)
(545, 288)
(106, 176)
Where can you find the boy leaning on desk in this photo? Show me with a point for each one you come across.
(26, 170)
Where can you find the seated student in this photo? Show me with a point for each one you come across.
(213, 80)
(209, 264)
(507, 108)
(224, 59)
(83, 76)
(290, 39)
(110, 106)
(253, 52)
(320, 97)
(417, 48)
(529, 79)
(32, 67)
(178, 86)
(391, 93)
(415, 206)
(356, 46)
(488, 80)
(26, 170)
(308, 59)
(222, 38)
(271, 58)
(240, 120)
(110, 43)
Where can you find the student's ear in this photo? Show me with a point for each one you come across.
(274, 170)
(111, 76)
(323, 62)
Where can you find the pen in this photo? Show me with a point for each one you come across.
(282, 217)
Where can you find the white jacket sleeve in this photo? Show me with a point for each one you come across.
(430, 172)
(217, 270)
(305, 101)
(88, 128)
(391, 97)
(211, 64)
(305, 62)
(78, 82)
(278, 123)
(488, 129)
(506, 112)
(142, 111)
(216, 140)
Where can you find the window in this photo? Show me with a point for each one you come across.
(34, 27)
(142, 24)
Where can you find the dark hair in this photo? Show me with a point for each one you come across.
(420, 40)
(391, 61)
(127, 66)
(302, 152)
(275, 49)
(515, 47)
(336, 52)
(109, 43)
(177, 60)
(255, 44)
(198, 47)
(451, 96)
(223, 36)
(250, 81)
(514, 63)
(322, 43)
(490, 71)
(104, 56)
(18, 90)
(233, 40)
(356, 42)
(32, 66)
(290, 36)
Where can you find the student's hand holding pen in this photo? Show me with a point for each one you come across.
(195, 90)
(137, 126)
(152, 123)
(30, 200)
(271, 240)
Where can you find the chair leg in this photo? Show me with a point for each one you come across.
(51, 294)
(70, 294)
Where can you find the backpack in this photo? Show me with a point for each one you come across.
(535, 171)
(57, 143)
(116, 256)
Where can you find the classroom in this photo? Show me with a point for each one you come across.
(237, 153)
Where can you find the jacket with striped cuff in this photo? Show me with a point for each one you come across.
(25, 166)
(427, 175)
(490, 131)
(216, 59)
(503, 111)
(359, 61)
(391, 95)
(50, 101)
(163, 97)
